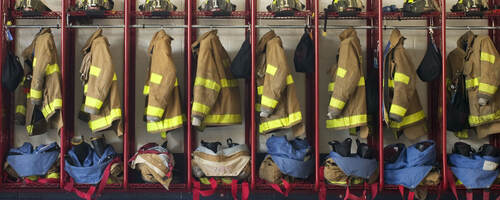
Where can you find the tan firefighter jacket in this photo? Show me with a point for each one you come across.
(39, 97)
(163, 104)
(276, 89)
(402, 108)
(216, 96)
(482, 72)
(102, 100)
(348, 100)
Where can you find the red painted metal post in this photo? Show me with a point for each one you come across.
(128, 90)
(65, 71)
(252, 93)
(380, 99)
(443, 90)
(2, 106)
(189, 55)
(248, 86)
(316, 91)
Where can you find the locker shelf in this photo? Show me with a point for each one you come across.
(111, 14)
(35, 15)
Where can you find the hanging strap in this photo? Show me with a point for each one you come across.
(245, 191)
(401, 191)
(451, 182)
(88, 195)
(469, 195)
(374, 190)
(486, 194)
(286, 185)
(197, 189)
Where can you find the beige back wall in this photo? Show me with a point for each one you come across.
(232, 40)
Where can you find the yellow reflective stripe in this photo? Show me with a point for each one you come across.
(338, 182)
(201, 108)
(105, 121)
(471, 83)
(269, 102)
(167, 123)
(475, 120)
(51, 107)
(341, 72)
(398, 110)
(361, 81)
(93, 102)
(29, 128)
(462, 134)
(282, 122)
(53, 175)
(94, 71)
(415, 117)
(37, 94)
(34, 62)
(176, 83)
(154, 111)
(410, 1)
(260, 90)
(488, 57)
(85, 88)
(229, 83)
(223, 119)
(270, 69)
(51, 69)
(331, 86)
(289, 79)
(114, 77)
(207, 83)
(400, 77)
(257, 107)
(32, 178)
(146, 90)
(487, 88)
(21, 109)
(155, 78)
(163, 135)
(346, 121)
(336, 103)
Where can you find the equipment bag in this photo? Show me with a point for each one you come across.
(12, 71)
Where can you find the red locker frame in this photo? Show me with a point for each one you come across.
(373, 16)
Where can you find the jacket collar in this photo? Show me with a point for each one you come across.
(196, 44)
(395, 38)
(88, 44)
(350, 32)
(261, 47)
(466, 38)
(160, 35)
(43, 31)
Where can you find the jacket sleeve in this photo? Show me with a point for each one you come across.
(162, 81)
(42, 63)
(101, 75)
(404, 85)
(276, 76)
(490, 70)
(347, 78)
(207, 82)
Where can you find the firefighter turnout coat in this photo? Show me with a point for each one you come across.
(216, 93)
(102, 99)
(401, 100)
(482, 78)
(40, 96)
(276, 89)
(348, 95)
(163, 104)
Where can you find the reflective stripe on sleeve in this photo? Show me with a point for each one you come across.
(398, 110)
(487, 88)
(21, 109)
(51, 69)
(154, 111)
(469, 83)
(279, 123)
(336, 103)
(488, 57)
(402, 78)
(51, 107)
(146, 90)
(269, 102)
(271, 69)
(410, 119)
(289, 79)
(167, 123)
(225, 83)
(210, 84)
(105, 121)
(93, 102)
(341, 72)
(155, 78)
(35, 94)
(201, 108)
(346, 121)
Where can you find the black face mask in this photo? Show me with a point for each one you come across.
(364, 151)
(392, 152)
(211, 145)
(230, 143)
(488, 150)
(343, 149)
(422, 146)
(463, 149)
